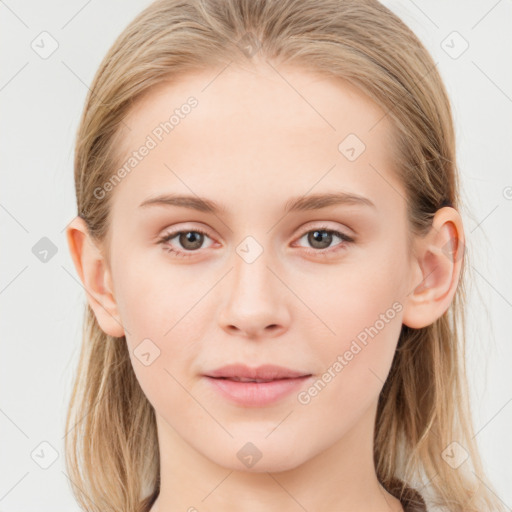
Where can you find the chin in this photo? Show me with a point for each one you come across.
(259, 457)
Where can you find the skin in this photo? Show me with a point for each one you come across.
(252, 143)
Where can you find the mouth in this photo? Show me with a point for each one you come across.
(258, 381)
(248, 392)
(264, 373)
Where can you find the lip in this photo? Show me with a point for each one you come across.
(281, 382)
(256, 394)
(263, 372)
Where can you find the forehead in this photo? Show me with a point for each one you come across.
(264, 130)
(267, 98)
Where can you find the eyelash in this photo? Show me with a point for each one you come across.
(185, 254)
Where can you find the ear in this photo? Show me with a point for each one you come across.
(436, 269)
(94, 273)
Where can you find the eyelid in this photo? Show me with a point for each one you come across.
(320, 225)
(192, 225)
(327, 229)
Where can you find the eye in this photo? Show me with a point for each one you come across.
(190, 239)
(321, 238)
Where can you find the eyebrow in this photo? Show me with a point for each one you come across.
(295, 204)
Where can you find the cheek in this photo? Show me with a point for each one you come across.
(363, 310)
(351, 298)
(160, 306)
(356, 364)
(155, 298)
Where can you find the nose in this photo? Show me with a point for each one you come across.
(254, 300)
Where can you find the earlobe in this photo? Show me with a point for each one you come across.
(95, 276)
(437, 266)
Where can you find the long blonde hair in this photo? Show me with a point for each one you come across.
(112, 454)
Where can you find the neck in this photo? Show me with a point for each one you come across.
(341, 477)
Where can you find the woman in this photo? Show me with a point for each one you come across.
(269, 238)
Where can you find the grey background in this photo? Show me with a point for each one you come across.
(42, 302)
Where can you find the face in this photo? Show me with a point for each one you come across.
(317, 288)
